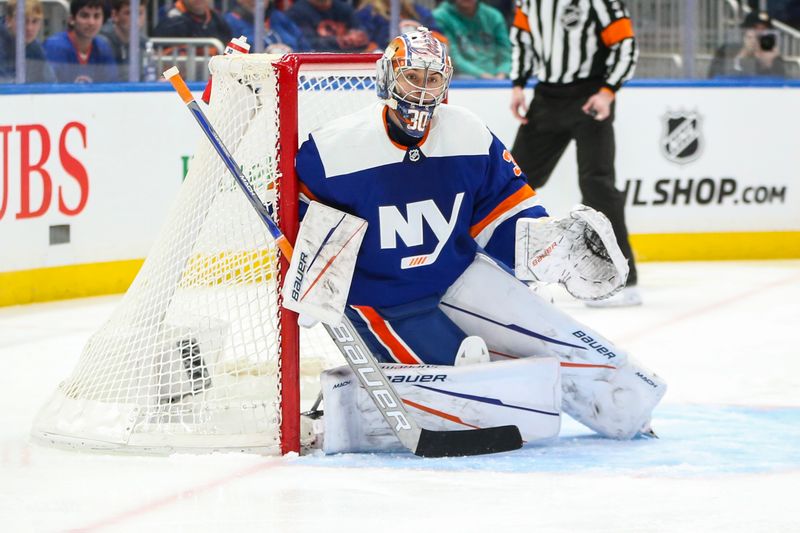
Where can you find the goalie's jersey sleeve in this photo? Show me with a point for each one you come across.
(428, 207)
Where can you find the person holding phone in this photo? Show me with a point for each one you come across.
(757, 55)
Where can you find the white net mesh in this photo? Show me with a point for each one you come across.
(191, 357)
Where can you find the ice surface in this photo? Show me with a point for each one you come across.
(723, 334)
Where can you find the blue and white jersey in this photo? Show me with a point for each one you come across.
(428, 207)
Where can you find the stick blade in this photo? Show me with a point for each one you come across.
(468, 442)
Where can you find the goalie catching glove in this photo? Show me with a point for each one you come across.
(579, 251)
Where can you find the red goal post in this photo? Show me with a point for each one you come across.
(289, 69)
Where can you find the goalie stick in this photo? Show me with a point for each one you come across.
(420, 441)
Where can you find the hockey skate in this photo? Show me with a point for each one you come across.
(647, 432)
(312, 428)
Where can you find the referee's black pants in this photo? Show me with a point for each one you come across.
(554, 119)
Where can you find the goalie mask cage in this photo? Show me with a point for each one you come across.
(199, 354)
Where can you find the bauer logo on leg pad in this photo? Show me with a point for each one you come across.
(599, 348)
(425, 378)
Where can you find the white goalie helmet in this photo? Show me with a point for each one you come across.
(413, 77)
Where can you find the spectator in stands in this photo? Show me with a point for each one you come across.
(330, 26)
(117, 31)
(373, 16)
(280, 33)
(79, 55)
(479, 44)
(36, 68)
(757, 55)
(507, 8)
(193, 18)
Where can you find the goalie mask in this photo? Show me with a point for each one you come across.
(413, 77)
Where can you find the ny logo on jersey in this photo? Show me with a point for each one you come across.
(411, 231)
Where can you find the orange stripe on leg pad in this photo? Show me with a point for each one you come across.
(585, 365)
(617, 31)
(440, 414)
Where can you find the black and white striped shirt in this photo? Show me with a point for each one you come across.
(566, 41)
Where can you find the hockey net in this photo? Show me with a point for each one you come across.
(199, 355)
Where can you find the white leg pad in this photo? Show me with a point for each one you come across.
(615, 397)
(525, 393)
(489, 302)
(617, 405)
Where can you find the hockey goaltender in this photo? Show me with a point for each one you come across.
(451, 238)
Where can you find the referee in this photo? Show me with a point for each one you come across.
(582, 52)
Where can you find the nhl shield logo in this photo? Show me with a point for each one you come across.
(413, 155)
(681, 141)
(572, 16)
